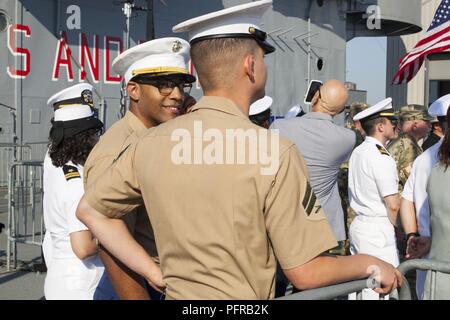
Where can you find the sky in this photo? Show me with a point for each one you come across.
(366, 66)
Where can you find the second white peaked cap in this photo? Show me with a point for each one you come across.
(377, 110)
(73, 112)
(439, 108)
(72, 103)
(238, 21)
(293, 112)
(260, 105)
(159, 56)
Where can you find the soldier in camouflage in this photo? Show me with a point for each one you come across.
(415, 126)
(356, 108)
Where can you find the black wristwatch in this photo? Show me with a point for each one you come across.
(412, 234)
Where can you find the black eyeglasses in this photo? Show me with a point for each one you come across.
(166, 86)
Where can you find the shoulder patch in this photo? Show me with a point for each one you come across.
(309, 201)
(382, 150)
(70, 172)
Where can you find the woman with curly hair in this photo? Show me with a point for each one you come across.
(74, 271)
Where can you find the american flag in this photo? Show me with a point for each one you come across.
(437, 39)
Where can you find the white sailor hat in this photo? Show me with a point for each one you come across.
(381, 109)
(72, 103)
(294, 111)
(439, 108)
(260, 106)
(236, 22)
(155, 58)
(74, 112)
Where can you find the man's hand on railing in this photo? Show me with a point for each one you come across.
(388, 277)
(418, 247)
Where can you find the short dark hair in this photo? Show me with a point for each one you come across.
(215, 59)
(442, 122)
(75, 149)
(260, 118)
(369, 125)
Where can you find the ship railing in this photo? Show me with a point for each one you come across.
(25, 222)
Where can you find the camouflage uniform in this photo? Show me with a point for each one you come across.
(343, 172)
(355, 108)
(404, 150)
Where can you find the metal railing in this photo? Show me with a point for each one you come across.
(422, 264)
(11, 152)
(25, 215)
(343, 289)
(332, 292)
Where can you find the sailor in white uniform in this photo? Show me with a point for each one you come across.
(415, 196)
(74, 270)
(372, 188)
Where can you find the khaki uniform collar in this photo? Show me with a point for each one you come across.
(133, 122)
(219, 104)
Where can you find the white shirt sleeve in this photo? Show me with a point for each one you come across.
(74, 192)
(385, 173)
(408, 190)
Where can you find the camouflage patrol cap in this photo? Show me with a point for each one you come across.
(414, 112)
(356, 108)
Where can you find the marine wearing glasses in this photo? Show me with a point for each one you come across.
(165, 84)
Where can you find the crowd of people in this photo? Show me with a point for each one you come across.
(126, 219)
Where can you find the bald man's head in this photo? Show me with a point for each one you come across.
(331, 97)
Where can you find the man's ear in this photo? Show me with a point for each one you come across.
(134, 91)
(249, 67)
(380, 126)
(315, 98)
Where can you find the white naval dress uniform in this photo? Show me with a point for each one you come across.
(415, 190)
(68, 277)
(372, 176)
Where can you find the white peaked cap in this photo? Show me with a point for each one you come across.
(238, 21)
(381, 106)
(72, 103)
(165, 55)
(260, 105)
(440, 106)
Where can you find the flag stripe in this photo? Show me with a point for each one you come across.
(435, 34)
(411, 68)
(436, 39)
(416, 52)
(413, 55)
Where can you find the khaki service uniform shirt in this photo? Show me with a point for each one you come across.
(117, 139)
(218, 227)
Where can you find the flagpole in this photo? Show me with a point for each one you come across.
(426, 97)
